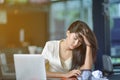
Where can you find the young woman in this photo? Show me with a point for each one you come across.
(67, 57)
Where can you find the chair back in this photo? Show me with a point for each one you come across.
(107, 63)
(3, 62)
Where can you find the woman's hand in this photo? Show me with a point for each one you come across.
(84, 34)
(73, 73)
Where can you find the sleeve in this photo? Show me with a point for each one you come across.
(47, 51)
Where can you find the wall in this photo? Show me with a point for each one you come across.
(34, 23)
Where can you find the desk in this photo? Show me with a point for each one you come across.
(61, 78)
(68, 79)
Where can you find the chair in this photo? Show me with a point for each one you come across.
(107, 65)
(108, 68)
(7, 70)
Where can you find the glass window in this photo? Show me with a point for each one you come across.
(63, 13)
(114, 10)
(3, 17)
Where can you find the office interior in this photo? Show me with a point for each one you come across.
(28, 24)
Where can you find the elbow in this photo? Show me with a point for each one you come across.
(86, 66)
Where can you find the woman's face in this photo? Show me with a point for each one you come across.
(73, 40)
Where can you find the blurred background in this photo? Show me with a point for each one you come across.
(30, 23)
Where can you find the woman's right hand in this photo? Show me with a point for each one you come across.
(72, 73)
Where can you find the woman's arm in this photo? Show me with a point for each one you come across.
(73, 73)
(55, 75)
(88, 59)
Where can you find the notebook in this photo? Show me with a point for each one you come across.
(29, 67)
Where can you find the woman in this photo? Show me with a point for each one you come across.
(67, 57)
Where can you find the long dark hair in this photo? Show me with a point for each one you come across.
(79, 53)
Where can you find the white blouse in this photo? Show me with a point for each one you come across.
(51, 54)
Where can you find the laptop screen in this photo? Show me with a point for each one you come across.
(29, 67)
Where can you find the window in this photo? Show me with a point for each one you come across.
(63, 13)
(114, 11)
(3, 17)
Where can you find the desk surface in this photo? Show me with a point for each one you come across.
(64, 78)
(68, 79)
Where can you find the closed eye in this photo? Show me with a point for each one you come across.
(75, 38)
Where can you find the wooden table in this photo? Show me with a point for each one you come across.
(69, 79)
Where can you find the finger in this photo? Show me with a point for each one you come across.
(77, 73)
(76, 70)
(81, 34)
(85, 31)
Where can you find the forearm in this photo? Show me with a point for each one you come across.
(72, 73)
(55, 75)
(88, 59)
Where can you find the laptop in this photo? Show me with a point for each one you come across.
(29, 67)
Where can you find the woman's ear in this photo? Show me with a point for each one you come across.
(67, 33)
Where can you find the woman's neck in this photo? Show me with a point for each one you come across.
(64, 45)
(65, 53)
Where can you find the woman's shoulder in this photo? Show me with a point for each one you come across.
(52, 42)
(52, 45)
